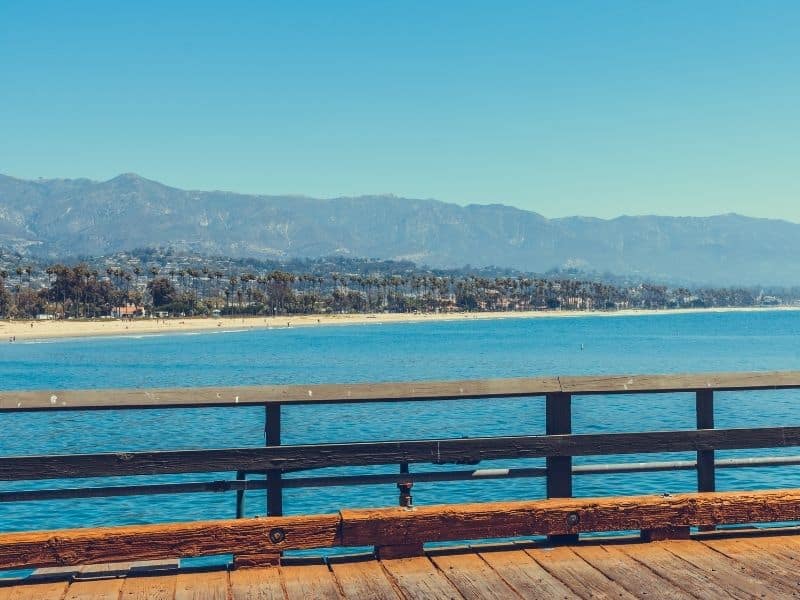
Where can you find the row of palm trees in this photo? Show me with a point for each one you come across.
(82, 291)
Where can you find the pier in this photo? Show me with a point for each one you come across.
(707, 543)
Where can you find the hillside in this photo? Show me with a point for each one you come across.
(66, 217)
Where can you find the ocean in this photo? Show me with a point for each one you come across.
(468, 349)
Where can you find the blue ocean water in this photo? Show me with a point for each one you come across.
(382, 352)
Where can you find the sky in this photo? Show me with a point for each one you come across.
(591, 108)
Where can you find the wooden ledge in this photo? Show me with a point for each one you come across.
(395, 527)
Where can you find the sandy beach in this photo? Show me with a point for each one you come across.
(31, 330)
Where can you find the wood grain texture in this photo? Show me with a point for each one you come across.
(35, 591)
(115, 544)
(735, 573)
(314, 582)
(364, 579)
(525, 576)
(473, 577)
(57, 399)
(442, 451)
(212, 585)
(577, 574)
(697, 582)
(625, 571)
(257, 584)
(562, 516)
(282, 394)
(98, 589)
(161, 587)
(419, 579)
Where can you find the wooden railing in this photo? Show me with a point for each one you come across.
(558, 446)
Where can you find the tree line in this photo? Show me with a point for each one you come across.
(84, 291)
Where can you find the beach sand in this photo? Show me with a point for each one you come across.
(29, 330)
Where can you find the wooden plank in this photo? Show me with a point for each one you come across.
(211, 585)
(143, 542)
(363, 579)
(526, 576)
(35, 591)
(679, 382)
(472, 576)
(759, 557)
(418, 579)
(309, 581)
(698, 582)
(283, 394)
(735, 574)
(160, 587)
(96, 589)
(391, 391)
(633, 576)
(472, 451)
(256, 584)
(561, 516)
(577, 574)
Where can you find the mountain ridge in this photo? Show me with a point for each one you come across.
(58, 217)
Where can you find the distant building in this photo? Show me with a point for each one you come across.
(128, 311)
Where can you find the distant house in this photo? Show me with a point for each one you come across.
(128, 311)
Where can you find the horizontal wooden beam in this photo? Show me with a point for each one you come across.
(642, 384)
(69, 547)
(394, 527)
(282, 394)
(398, 526)
(442, 451)
(58, 400)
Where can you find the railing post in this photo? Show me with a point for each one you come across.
(272, 437)
(404, 488)
(704, 404)
(558, 420)
(706, 476)
(240, 476)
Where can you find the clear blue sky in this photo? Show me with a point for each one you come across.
(596, 108)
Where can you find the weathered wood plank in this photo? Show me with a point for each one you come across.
(698, 582)
(212, 585)
(97, 589)
(160, 587)
(561, 516)
(257, 584)
(472, 451)
(577, 574)
(390, 391)
(141, 542)
(472, 576)
(35, 591)
(759, 557)
(679, 382)
(418, 579)
(734, 573)
(283, 394)
(309, 581)
(363, 579)
(628, 573)
(526, 576)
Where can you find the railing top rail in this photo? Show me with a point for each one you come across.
(49, 400)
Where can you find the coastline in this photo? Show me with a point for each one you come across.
(27, 330)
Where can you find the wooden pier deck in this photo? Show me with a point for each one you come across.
(708, 566)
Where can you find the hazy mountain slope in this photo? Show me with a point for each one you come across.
(59, 218)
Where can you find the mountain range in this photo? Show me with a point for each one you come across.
(58, 218)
